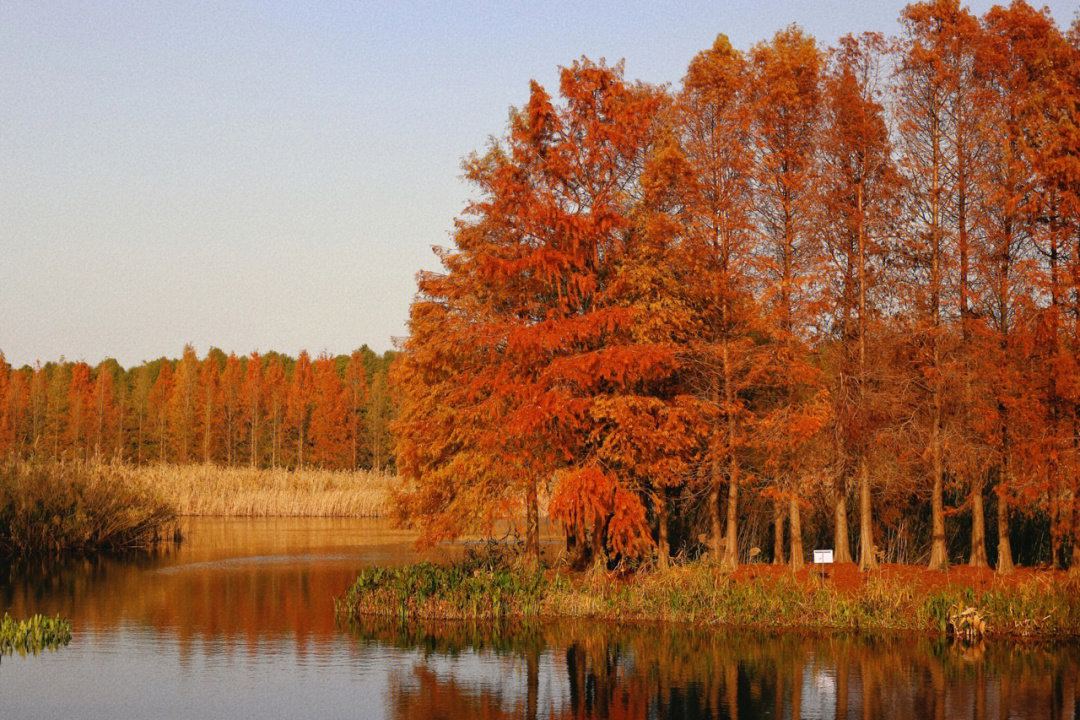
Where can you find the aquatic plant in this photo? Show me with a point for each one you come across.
(33, 635)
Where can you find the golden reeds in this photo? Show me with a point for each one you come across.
(251, 492)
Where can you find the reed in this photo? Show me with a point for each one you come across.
(54, 509)
(252, 492)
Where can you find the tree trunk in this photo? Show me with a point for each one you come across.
(841, 539)
(978, 529)
(731, 553)
(778, 533)
(532, 526)
(939, 559)
(797, 558)
(663, 551)
(599, 540)
(867, 551)
(1005, 559)
(716, 536)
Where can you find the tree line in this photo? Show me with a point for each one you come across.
(263, 411)
(806, 288)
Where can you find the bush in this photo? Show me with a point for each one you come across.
(49, 510)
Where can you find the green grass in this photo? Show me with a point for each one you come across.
(483, 585)
(33, 635)
(699, 594)
(50, 510)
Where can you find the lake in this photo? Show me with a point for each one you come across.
(238, 622)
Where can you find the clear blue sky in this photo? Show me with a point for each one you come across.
(260, 176)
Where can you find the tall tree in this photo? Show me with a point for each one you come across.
(208, 409)
(786, 110)
(858, 185)
(183, 402)
(924, 103)
(328, 414)
(356, 395)
(253, 402)
(301, 402)
(158, 401)
(703, 177)
(231, 408)
(276, 395)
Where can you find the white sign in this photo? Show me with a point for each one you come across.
(822, 557)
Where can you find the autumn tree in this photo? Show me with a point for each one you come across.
(183, 401)
(356, 396)
(231, 408)
(209, 407)
(300, 404)
(786, 110)
(276, 395)
(924, 98)
(328, 413)
(700, 177)
(158, 401)
(858, 185)
(252, 401)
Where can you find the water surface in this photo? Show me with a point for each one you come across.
(238, 622)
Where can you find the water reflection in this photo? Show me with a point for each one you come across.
(239, 621)
(591, 670)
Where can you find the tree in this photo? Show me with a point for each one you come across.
(858, 186)
(159, 407)
(702, 178)
(183, 401)
(786, 109)
(328, 414)
(924, 99)
(209, 407)
(300, 404)
(231, 408)
(356, 395)
(253, 403)
(106, 418)
(276, 391)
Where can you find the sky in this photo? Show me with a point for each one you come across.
(262, 176)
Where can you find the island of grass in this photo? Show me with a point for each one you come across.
(964, 601)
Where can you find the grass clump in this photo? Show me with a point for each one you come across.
(33, 635)
(485, 584)
(54, 509)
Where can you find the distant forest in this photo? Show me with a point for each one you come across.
(263, 411)
(806, 288)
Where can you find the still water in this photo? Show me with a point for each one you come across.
(238, 622)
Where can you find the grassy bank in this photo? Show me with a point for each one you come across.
(53, 509)
(251, 492)
(33, 635)
(699, 594)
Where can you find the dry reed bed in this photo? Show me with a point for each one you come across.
(55, 509)
(250, 492)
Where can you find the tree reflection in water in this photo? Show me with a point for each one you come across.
(595, 670)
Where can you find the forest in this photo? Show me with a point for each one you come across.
(269, 411)
(810, 296)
